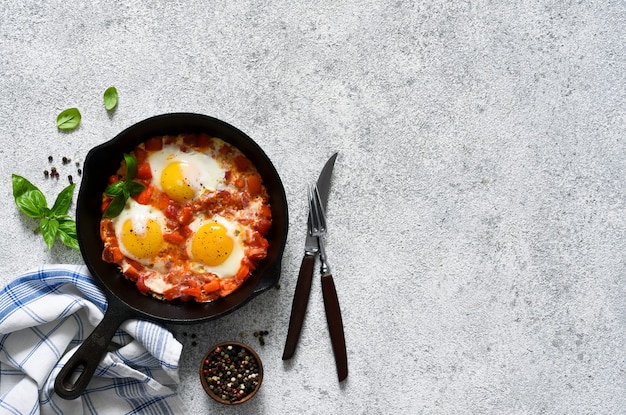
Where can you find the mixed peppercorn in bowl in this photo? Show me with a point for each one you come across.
(231, 373)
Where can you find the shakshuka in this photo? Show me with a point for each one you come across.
(197, 229)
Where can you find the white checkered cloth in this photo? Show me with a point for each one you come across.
(45, 315)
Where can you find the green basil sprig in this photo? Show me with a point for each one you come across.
(53, 222)
(123, 189)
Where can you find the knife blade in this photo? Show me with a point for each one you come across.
(305, 275)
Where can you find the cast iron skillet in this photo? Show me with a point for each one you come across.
(124, 299)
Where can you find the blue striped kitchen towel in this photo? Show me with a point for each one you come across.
(45, 315)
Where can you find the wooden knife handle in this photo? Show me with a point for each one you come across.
(335, 325)
(300, 302)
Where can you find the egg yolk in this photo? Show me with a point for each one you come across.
(144, 242)
(175, 183)
(211, 245)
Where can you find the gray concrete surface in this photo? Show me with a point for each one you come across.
(478, 209)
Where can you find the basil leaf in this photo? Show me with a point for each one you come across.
(49, 228)
(67, 233)
(134, 188)
(110, 98)
(131, 167)
(115, 207)
(28, 198)
(21, 185)
(115, 189)
(63, 201)
(68, 119)
(32, 203)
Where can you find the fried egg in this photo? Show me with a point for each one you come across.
(139, 230)
(216, 246)
(184, 176)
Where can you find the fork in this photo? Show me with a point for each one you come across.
(317, 228)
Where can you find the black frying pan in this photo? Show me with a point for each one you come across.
(124, 299)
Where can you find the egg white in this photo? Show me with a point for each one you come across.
(228, 268)
(139, 215)
(203, 172)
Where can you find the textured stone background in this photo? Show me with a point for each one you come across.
(477, 213)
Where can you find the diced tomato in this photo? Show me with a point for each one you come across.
(172, 211)
(185, 215)
(106, 229)
(266, 211)
(257, 254)
(242, 163)
(211, 296)
(143, 171)
(141, 284)
(136, 264)
(190, 140)
(204, 140)
(105, 203)
(140, 154)
(263, 226)
(114, 178)
(228, 286)
(174, 238)
(211, 286)
(112, 254)
(185, 231)
(245, 200)
(254, 184)
(192, 292)
(154, 143)
(242, 274)
(171, 293)
(160, 200)
(225, 149)
(131, 273)
(145, 196)
(257, 240)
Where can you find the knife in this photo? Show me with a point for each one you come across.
(305, 276)
(331, 302)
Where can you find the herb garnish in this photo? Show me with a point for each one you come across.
(53, 223)
(110, 98)
(123, 189)
(68, 119)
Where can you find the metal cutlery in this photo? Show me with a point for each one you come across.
(314, 245)
(317, 227)
(305, 276)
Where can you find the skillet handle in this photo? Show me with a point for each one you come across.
(75, 375)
